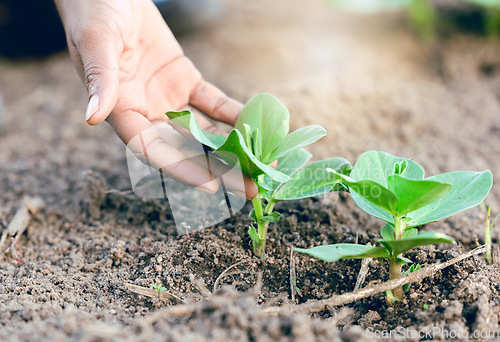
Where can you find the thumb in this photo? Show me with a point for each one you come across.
(100, 62)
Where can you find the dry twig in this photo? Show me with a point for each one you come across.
(496, 255)
(150, 292)
(363, 271)
(274, 300)
(200, 286)
(29, 206)
(183, 310)
(224, 273)
(170, 312)
(293, 276)
(368, 291)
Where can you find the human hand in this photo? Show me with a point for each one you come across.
(135, 71)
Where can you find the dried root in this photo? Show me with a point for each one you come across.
(21, 220)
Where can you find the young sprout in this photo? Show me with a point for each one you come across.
(260, 137)
(488, 228)
(423, 15)
(294, 284)
(159, 289)
(394, 190)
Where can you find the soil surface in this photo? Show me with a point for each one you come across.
(368, 80)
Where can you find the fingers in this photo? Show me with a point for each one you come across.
(162, 147)
(213, 102)
(145, 141)
(232, 178)
(96, 55)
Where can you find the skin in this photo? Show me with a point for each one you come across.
(135, 70)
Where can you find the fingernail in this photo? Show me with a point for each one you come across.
(92, 107)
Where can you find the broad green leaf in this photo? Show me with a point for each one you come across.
(295, 140)
(262, 187)
(273, 217)
(247, 134)
(377, 166)
(409, 233)
(313, 180)
(256, 147)
(187, 120)
(252, 215)
(415, 194)
(403, 261)
(468, 190)
(292, 162)
(234, 149)
(371, 208)
(267, 114)
(411, 269)
(288, 165)
(254, 235)
(405, 244)
(370, 191)
(387, 231)
(332, 253)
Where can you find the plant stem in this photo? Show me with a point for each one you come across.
(423, 17)
(257, 205)
(487, 236)
(492, 22)
(259, 244)
(269, 207)
(394, 264)
(399, 225)
(394, 273)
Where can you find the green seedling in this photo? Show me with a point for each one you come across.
(394, 190)
(260, 137)
(422, 14)
(411, 269)
(488, 229)
(485, 3)
(159, 289)
(310, 181)
(491, 21)
(296, 287)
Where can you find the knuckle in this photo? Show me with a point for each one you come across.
(141, 146)
(92, 73)
(220, 103)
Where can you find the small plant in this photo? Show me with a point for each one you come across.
(394, 189)
(260, 137)
(424, 15)
(159, 289)
(488, 228)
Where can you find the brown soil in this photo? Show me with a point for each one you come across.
(369, 81)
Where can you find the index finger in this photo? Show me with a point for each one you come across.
(215, 103)
(145, 141)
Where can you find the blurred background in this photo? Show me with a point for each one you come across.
(416, 78)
